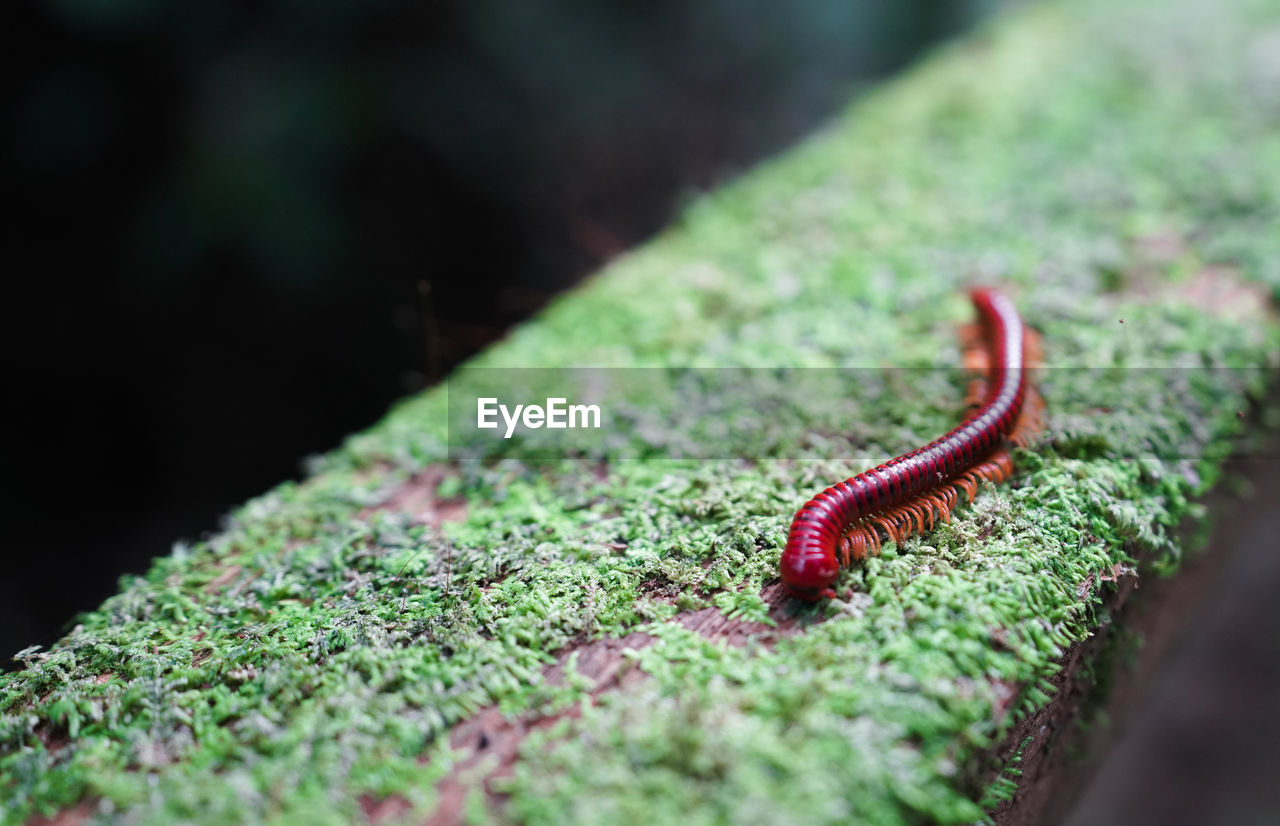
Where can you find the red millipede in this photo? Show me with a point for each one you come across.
(908, 494)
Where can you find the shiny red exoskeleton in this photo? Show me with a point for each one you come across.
(840, 524)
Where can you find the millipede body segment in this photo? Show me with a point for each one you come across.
(908, 494)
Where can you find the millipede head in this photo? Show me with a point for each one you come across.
(808, 576)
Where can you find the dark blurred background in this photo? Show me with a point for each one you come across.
(244, 229)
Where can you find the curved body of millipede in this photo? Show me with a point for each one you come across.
(908, 494)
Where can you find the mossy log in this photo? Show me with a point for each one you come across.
(404, 637)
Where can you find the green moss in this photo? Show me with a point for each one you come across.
(1005, 786)
(313, 653)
